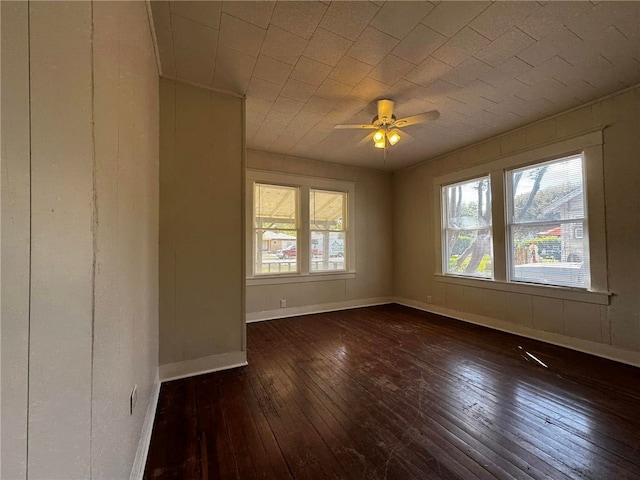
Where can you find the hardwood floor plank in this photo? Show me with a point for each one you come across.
(390, 392)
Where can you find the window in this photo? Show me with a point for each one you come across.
(545, 210)
(275, 227)
(546, 230)
(328, 225)
(299, 227)
(467, 228)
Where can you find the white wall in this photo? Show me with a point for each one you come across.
(373, 280)
(612, 330)
(79, 244)
(201, 230)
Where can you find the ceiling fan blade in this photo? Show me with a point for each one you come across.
(405, 137)
(366, 139)
(354, 125)
(415, 119)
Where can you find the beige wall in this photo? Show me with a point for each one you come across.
(581, 325)
(15, 239)
(79, 244)
(374, 253)
(126, 172)
(201, 227)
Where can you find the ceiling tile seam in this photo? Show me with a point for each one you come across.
(489, 100)
(191, 19)
(517, 27)
(419, 23)
(576, 35)
(460, 29)
(287, 126)
(619, 31)
(222, 10)
(253, 69)
(445, 43)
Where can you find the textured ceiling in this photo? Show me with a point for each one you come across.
(487, 67)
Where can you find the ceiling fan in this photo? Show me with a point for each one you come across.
(387, 127)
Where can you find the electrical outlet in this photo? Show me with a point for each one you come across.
(429, 299)
(133, 399)
(283, 303)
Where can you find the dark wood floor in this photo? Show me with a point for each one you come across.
(392, 392)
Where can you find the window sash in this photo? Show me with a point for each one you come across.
(582, 279)
(324, 265)
(448, 230)
(277, 266)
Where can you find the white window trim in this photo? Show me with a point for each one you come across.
(589, 144)
(305, 183)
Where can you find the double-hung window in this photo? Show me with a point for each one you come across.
(533, 219)
(300, 226)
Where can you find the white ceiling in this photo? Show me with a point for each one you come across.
(487, 67)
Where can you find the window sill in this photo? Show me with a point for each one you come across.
(300, 278)
(564, 293)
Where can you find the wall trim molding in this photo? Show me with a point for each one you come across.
(140, 461)
(199, 366)
(320, 308)
(609, 352)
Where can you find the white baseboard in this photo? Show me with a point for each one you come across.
(199, 366)
(309, 309)
(593, 348)
(137, 471)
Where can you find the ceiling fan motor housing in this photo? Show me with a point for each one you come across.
(383, 121)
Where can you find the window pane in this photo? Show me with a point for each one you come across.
(468, 204)
(548, 191)
(467, 213)
(275, 206)
(469, 253)
(326, 210)
(553, 253)
(327, 251)
(548, 240)
(275, 223)
(276, 252)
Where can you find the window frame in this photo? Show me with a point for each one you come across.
(589, 145)
(344, 230)
(304, 184)
(255, 229)
(444, 212)
(510, 224)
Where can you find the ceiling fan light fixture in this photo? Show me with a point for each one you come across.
(379, 137)
(393, 137)
(381, 144)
